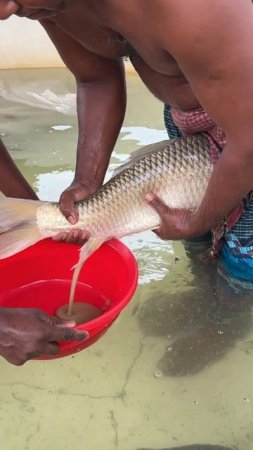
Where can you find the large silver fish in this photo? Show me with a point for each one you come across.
(176, 170)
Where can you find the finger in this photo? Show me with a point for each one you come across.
(73, 217)
(74, 236)
(56, 321)
(81, 242)
(59, 333)
(67, 207)
(84, 236)
(62, 236)
(52, 348)
(157, 204)
(65, 323)
(53, 321)
(78, 237)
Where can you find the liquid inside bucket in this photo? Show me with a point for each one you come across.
(49, 295)
(40, 277)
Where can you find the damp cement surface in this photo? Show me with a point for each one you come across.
(176, 367)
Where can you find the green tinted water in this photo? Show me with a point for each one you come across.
(176, 367)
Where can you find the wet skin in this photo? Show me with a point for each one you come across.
(29, 333)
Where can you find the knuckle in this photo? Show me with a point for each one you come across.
(68, 334)
(19, 362)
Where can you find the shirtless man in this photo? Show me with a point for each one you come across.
(190, 55)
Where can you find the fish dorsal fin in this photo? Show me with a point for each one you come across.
(140, 153)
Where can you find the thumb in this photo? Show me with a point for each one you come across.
(156, 204)
(52, 321)
(67, 206)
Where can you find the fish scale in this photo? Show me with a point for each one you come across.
(176, 170)
(187, 157)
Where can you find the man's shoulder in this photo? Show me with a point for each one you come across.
(87, 32)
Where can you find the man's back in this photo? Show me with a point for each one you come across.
(129, 34)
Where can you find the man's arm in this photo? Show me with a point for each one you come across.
(212, 44)
(101, 103)
(12, 182)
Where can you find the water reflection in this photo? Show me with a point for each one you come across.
(201, 323)
(182, 321)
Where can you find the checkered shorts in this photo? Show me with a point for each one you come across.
(236, 257)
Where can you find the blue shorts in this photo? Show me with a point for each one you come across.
(236, 259)
(237, 250)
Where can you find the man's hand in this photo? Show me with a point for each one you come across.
(176, 224)
(12, 182)
(29, 333)
(76, 192)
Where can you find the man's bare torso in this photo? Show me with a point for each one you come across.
(128, 33)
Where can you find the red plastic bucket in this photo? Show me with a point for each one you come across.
(40, 277)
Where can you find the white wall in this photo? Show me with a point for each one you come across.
(25, 44)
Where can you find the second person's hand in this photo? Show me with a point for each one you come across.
(76, 192)
(176, 224)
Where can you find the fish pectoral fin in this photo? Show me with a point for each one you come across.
(88, 248)
(18, 238)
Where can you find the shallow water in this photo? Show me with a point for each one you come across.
(176, 367)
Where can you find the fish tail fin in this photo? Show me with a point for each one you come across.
(87, 249)
(14, 211)
(18, 217)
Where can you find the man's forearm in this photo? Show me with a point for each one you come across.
(12, 182)
(101, 109)
(230, 182)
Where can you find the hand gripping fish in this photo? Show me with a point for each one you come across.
(175, 170)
